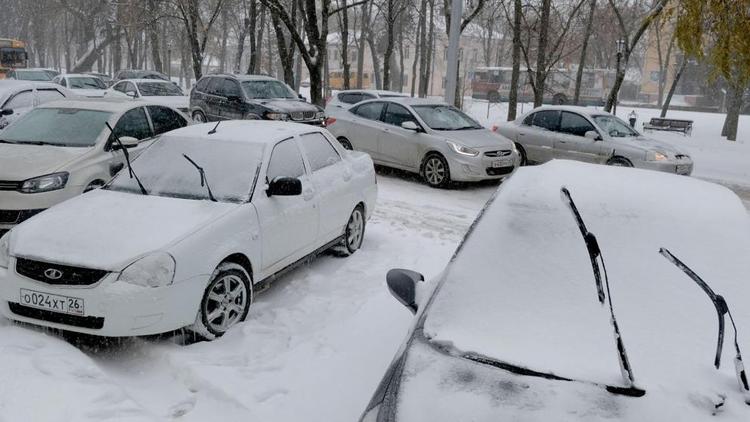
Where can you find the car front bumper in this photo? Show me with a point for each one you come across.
(481, 167)
(682, 167)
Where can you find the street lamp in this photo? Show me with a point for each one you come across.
(620, 50)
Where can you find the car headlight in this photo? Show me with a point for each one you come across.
(5, 250)
(463, 150)
(657, 156)
(46, 183)
(320, 115)
(272, 115)
(154, 270)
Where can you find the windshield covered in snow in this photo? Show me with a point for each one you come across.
(444, 117)
(614, 126)
(159, 89)
(230, 169)
(64, 127)
(267, 89)
(92, 82)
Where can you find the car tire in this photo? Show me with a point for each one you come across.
(435, 171)
(345, 143)
(225, 302)
(619, 162)
(354, 233)
(96, 184)
(522, 154)
(199, 117)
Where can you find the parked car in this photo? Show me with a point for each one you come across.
(251, 97)
(431, 138)
(82, 84)
(545, 338)
(103, 76)
(32, 74)
(139, 74)
(219, 215)
(62, 149)
(590, 135)
(346, 99)
(153, 90)
(18, 97)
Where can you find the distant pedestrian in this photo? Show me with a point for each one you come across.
(632, 117)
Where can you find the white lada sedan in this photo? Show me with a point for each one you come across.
(207, 217)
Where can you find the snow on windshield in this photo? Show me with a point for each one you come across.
(159, 89)
(443, 117)
(614, 126)
(70, 127)
(267, 90)
(230, 169)
(80, 82)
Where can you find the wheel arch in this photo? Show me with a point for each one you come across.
(240, 259)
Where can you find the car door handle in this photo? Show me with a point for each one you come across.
(521, 134)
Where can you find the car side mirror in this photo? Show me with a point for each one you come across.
(403, 286)
(6, 112)
(284, 186)
(593, 135)
(131, 94)
(409, 125)
(127, 142)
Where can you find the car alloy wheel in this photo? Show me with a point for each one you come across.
(435, 171)
(345, 143)
(354, 233)
(619, 162)
(225, 302)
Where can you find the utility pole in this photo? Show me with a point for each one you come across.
(454, 38)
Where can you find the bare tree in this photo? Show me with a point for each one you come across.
(197, 28)
(584, 51)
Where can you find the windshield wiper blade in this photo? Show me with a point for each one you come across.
(127, 159)
(204, 180)
(721, 309)
(594, 252)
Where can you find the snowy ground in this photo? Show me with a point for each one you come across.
(314, 345)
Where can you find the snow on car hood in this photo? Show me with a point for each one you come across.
(654, 145)
(476, 138)
(521, 290)
(107, 230)
(21, 162)
(289, 106)
(90, 93)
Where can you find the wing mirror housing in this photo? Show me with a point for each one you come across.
(403, 286)
(127, 142)
(409, 125)
(593, 135)
(131, 94)
(6, 112)
(284, 186)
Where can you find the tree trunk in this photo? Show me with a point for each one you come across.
(734, 106)
(153, 33)
(420, 48)
(345, 45)
(541, 55)
(428, 53)
(224, 38)
(375, 60)
(253, 35)
(672, 88)
(584, 48)
(390, 20)
(515, 73)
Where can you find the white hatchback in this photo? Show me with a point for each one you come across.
(208, 218)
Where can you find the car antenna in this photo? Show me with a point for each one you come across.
(204, 181)
(594, 252)
(721, 309)
(127, 159)
(212, 131)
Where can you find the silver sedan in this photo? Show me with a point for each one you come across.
(436, 140)
(584, 134)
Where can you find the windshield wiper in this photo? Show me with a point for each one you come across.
(127, 159)
(204, 181)
(594, 252)
(4, 141)
(721, 309)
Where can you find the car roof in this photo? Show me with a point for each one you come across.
(374, 92)
(244, 77)
(249, 131)
(577, 109)
(113, 105)
(409, 101)
(78, 75)
(140, 80)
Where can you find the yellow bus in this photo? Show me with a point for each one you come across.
(336, 80)
(13, 55)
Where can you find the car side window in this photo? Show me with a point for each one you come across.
(231, 89)
(350, 98)
(119, 87)
(133, 123)
(369, 111)
(574, 124)
(319, 151)
(367, 97)
(47, 95)
(286, 161)
(165, 119)
(547, 119)
(202, 85)
(396, 114)
(21, 100)
(214, 86)
(130, 87)
(528, 119)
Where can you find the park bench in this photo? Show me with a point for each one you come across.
(670, 125)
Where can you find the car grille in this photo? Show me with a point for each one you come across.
(303, 115)
(58, 274)
(500, 153)
(17, 216)
(499, 171)
(8, 185)
(91, 322)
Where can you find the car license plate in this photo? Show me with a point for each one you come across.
(501, 163)
(50, 302)
(682, 168)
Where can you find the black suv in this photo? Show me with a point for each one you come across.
(253, 97)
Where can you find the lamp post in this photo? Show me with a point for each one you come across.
(620, 50)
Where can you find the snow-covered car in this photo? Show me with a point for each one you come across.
(85, 85)
(433, 139)
(32, 74)
(152, 90)
(555, 335)
(210, 216)
(64, 148)
(345, 99)
(590, 135)
(18, 97)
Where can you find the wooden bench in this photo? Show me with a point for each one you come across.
(670, 125)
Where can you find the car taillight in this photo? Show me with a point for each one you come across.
(494, 128)
(330, 121)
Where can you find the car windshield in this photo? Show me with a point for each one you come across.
(65, 127)
(614, 126)
(159, 89)
(445, 117)
(32, 75)
(90, 82)
(230, 167)
(267, 89)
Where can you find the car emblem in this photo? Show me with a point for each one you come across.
(53, 273)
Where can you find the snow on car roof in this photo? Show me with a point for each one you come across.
(111, 104)
(141, 80)
(521, 289)
(579, 109)
(415, 101)
(252, 131)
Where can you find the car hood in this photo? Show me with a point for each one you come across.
(479, 138)
(21, 162)
(521, 290)
(652, 145)
(170, 101)
(90, 93)
(107, 230)
(288, 106)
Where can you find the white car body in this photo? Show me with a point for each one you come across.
(22, 96)
(71, 81)
(342, 100)
(121, 89)
(85, 167)
(110, 230)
